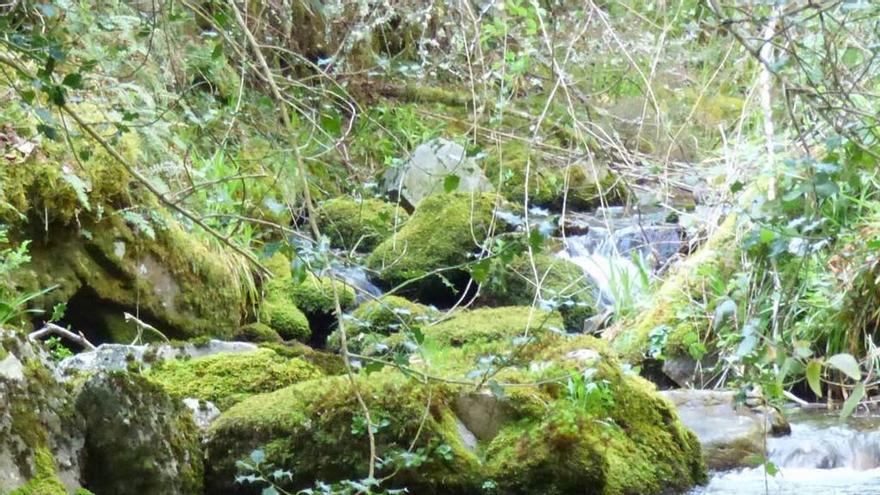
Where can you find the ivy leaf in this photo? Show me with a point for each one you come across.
(846, 364)
(852, 401)
(451, 182)
(497, 389)
(73, 80)
(814, 369)
(724, 311)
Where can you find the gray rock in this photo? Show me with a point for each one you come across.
(482, 413)
(204, 412)
(729, 433)
(35, 417)
(138, 439)
(118, 357)
(426, 171)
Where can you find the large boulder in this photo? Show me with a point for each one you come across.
(138, 438)
(41, 436)
(429, 168)
(589, 428)
(359, 225)
(428, 253)
(155, 270)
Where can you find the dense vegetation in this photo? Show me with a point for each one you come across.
(262, 172)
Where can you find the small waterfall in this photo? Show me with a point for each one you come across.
(816, 459)
(618, 252)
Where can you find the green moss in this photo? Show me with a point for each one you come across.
(578, 185)
(312, 429)
(716, 259)
(315, 294)
(116, 261)
(138, 438)
(492, 324)
(328, 363)
(546, 443)
(441, 235)
(286, 319)
(373, 320)
(279, 265)
(45, 480)
(359, 224)
(563, 286)
(389, 313)
(226, 379)
(257, 332)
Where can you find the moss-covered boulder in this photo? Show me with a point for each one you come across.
(372, 321)
(427, 256)
(138, 438)
(226, 379)
(305, 309)
(560, 284)
(619, 439)
(551, 181)
(359, 225)
(40, 433)
(257, 332)
(152, 268)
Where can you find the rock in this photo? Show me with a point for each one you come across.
(482, 413)
(118, 267)
(204, 412)
(553, 179)
(427, 170)
(531, 440)
(374, 319)
(41, 440)
(226, 379)
(687, 372)
(563, 288)
(120, 357)
(729, 433)
(443, 232)
(138, 439)
(360, 225)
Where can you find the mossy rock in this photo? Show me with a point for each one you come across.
(547, 442)
(138, 438)
(226, 379)
(257, 332)
(492, 324)
(441, 235)
(359, 225)
(551, 182)
(150, 267)
(311, 429)
(372, 321)
(716, 259)
(562, 283)
(40, 433)
(47, 191)
(286, 319)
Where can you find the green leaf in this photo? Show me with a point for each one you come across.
(373, 367)
(480, 270)
(496, 388)
(48, 131)
(80, 188)
(73, 81)
(58, 311)
(814, 369)
(723, 312)
(418, 335)
(217, 52)
(846, 364)
(451, 182)
(852, 401)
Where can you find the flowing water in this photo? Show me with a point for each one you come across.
(822, 456)
(619, 251)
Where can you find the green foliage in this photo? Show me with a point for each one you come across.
(226, 379)
(45, 480)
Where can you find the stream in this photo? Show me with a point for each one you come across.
(823, 455)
